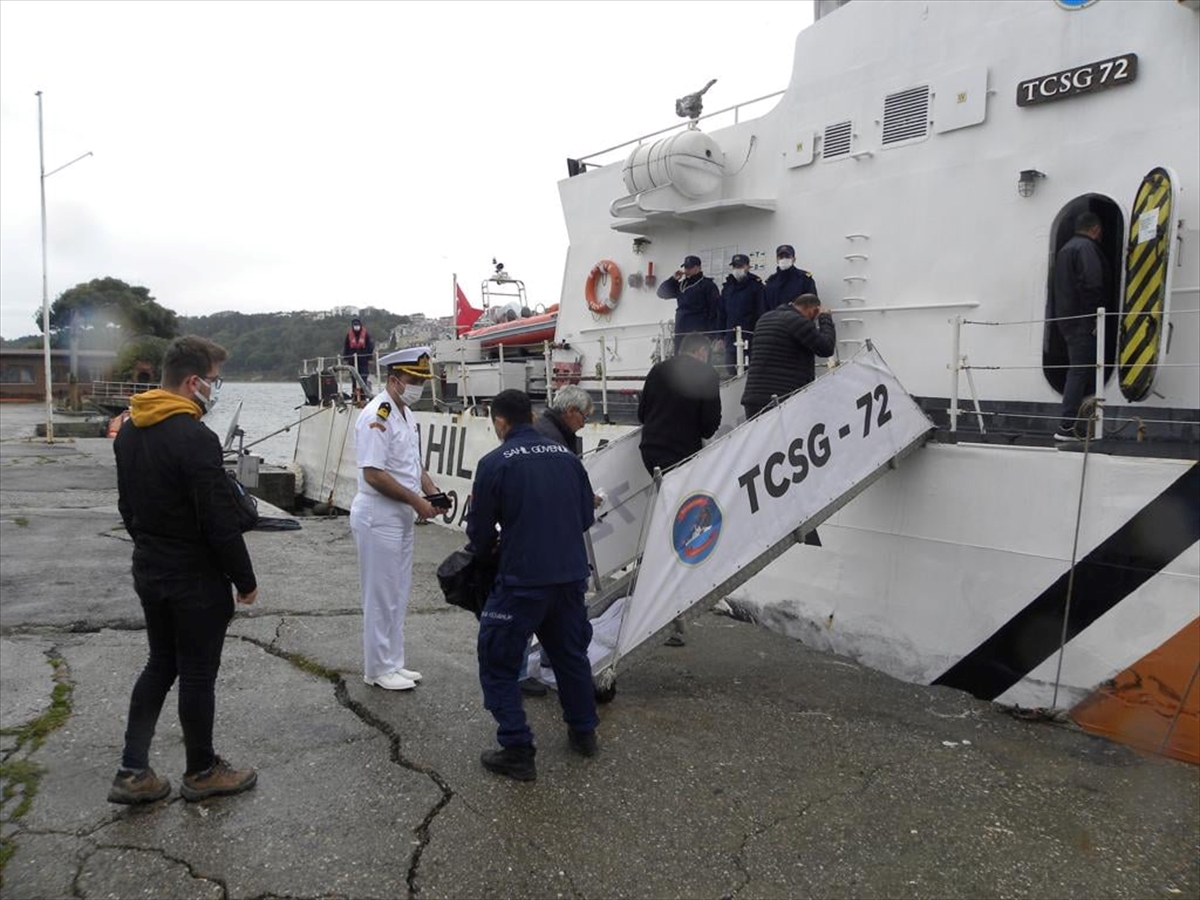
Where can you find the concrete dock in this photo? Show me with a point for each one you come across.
(741, 765)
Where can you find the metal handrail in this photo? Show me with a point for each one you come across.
(644, 137)
(120, 388)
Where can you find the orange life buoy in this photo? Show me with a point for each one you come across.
(115, 423)
(605, 269)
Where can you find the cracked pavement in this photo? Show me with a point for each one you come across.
(742, 765)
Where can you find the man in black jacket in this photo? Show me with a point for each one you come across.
(1080, 288)
(785, 343)
(785, 346)
(566, 415)
(680, 405)
(189, 561)
(788, 282)
(697, 299)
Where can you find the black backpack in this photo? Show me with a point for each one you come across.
(244, 504)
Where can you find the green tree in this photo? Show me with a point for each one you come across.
(106, 312)
(146, 348)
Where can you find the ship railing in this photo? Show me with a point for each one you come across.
(345, 373)
(120, 389)
(960, 364)
(663, 340)
(736, 109)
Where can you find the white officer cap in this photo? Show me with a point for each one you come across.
(410, 361)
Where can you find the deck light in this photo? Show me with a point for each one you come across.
(1028, 181)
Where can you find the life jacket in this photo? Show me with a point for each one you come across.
(356, 343)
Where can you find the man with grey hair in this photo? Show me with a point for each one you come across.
(566, 415)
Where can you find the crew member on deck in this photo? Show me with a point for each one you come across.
(788, 282)
(392, 485)
(741, 305)
(358, 348)
(697, 299)
(1080, 288)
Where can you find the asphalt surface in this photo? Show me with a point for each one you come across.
(741, 765)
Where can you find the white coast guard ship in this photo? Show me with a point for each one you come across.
(927, 160)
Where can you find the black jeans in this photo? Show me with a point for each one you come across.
(186, 618)
(1081, 379)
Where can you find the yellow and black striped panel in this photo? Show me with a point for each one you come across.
(1145, 289)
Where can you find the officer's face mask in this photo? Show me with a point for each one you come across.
(413, 393)
(739, 274)
(785, 263)
(357, 328)
(207, 403)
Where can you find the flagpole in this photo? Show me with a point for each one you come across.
(454, 304)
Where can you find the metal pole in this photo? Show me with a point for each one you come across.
(1098, 406)
(549, 372)
(501, 349)
(604, 377)
(954, 364)
(45, 287)
(43, 175)
(740, 350)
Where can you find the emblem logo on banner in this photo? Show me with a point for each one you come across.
(697, 529)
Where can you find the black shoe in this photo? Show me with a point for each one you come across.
(583, 742)
(512, 762)
(675, 640)
(532, 687)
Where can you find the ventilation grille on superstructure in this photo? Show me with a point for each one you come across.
(906, 115)
(837, 140)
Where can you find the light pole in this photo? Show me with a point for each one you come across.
(45, 288)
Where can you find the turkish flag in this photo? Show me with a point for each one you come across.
(465, 315)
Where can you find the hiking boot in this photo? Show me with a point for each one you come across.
(217, 780)
(133, 786)
(583, 742)
(513, 762)
(532, 687)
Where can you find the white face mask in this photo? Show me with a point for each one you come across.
(413, 393)
(739, 274)
(785, 264)
(207, 403)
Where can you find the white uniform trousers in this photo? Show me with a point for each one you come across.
(383, 532)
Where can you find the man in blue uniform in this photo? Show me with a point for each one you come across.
(697, 300)
(741, 305)
(788, 282)
(538, 492)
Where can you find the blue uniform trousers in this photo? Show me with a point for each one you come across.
(557, 615)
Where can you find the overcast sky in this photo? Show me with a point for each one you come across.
(304, 155)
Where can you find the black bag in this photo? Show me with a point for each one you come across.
(466, 581)
(244, 504)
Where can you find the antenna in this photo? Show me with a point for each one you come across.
(233, 430)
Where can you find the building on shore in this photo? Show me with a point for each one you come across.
(23, 372)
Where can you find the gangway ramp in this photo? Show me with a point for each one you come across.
(716, 520)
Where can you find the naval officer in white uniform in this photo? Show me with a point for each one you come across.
(392, 485)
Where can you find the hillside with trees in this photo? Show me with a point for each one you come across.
(108, 314)
(270, 346)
